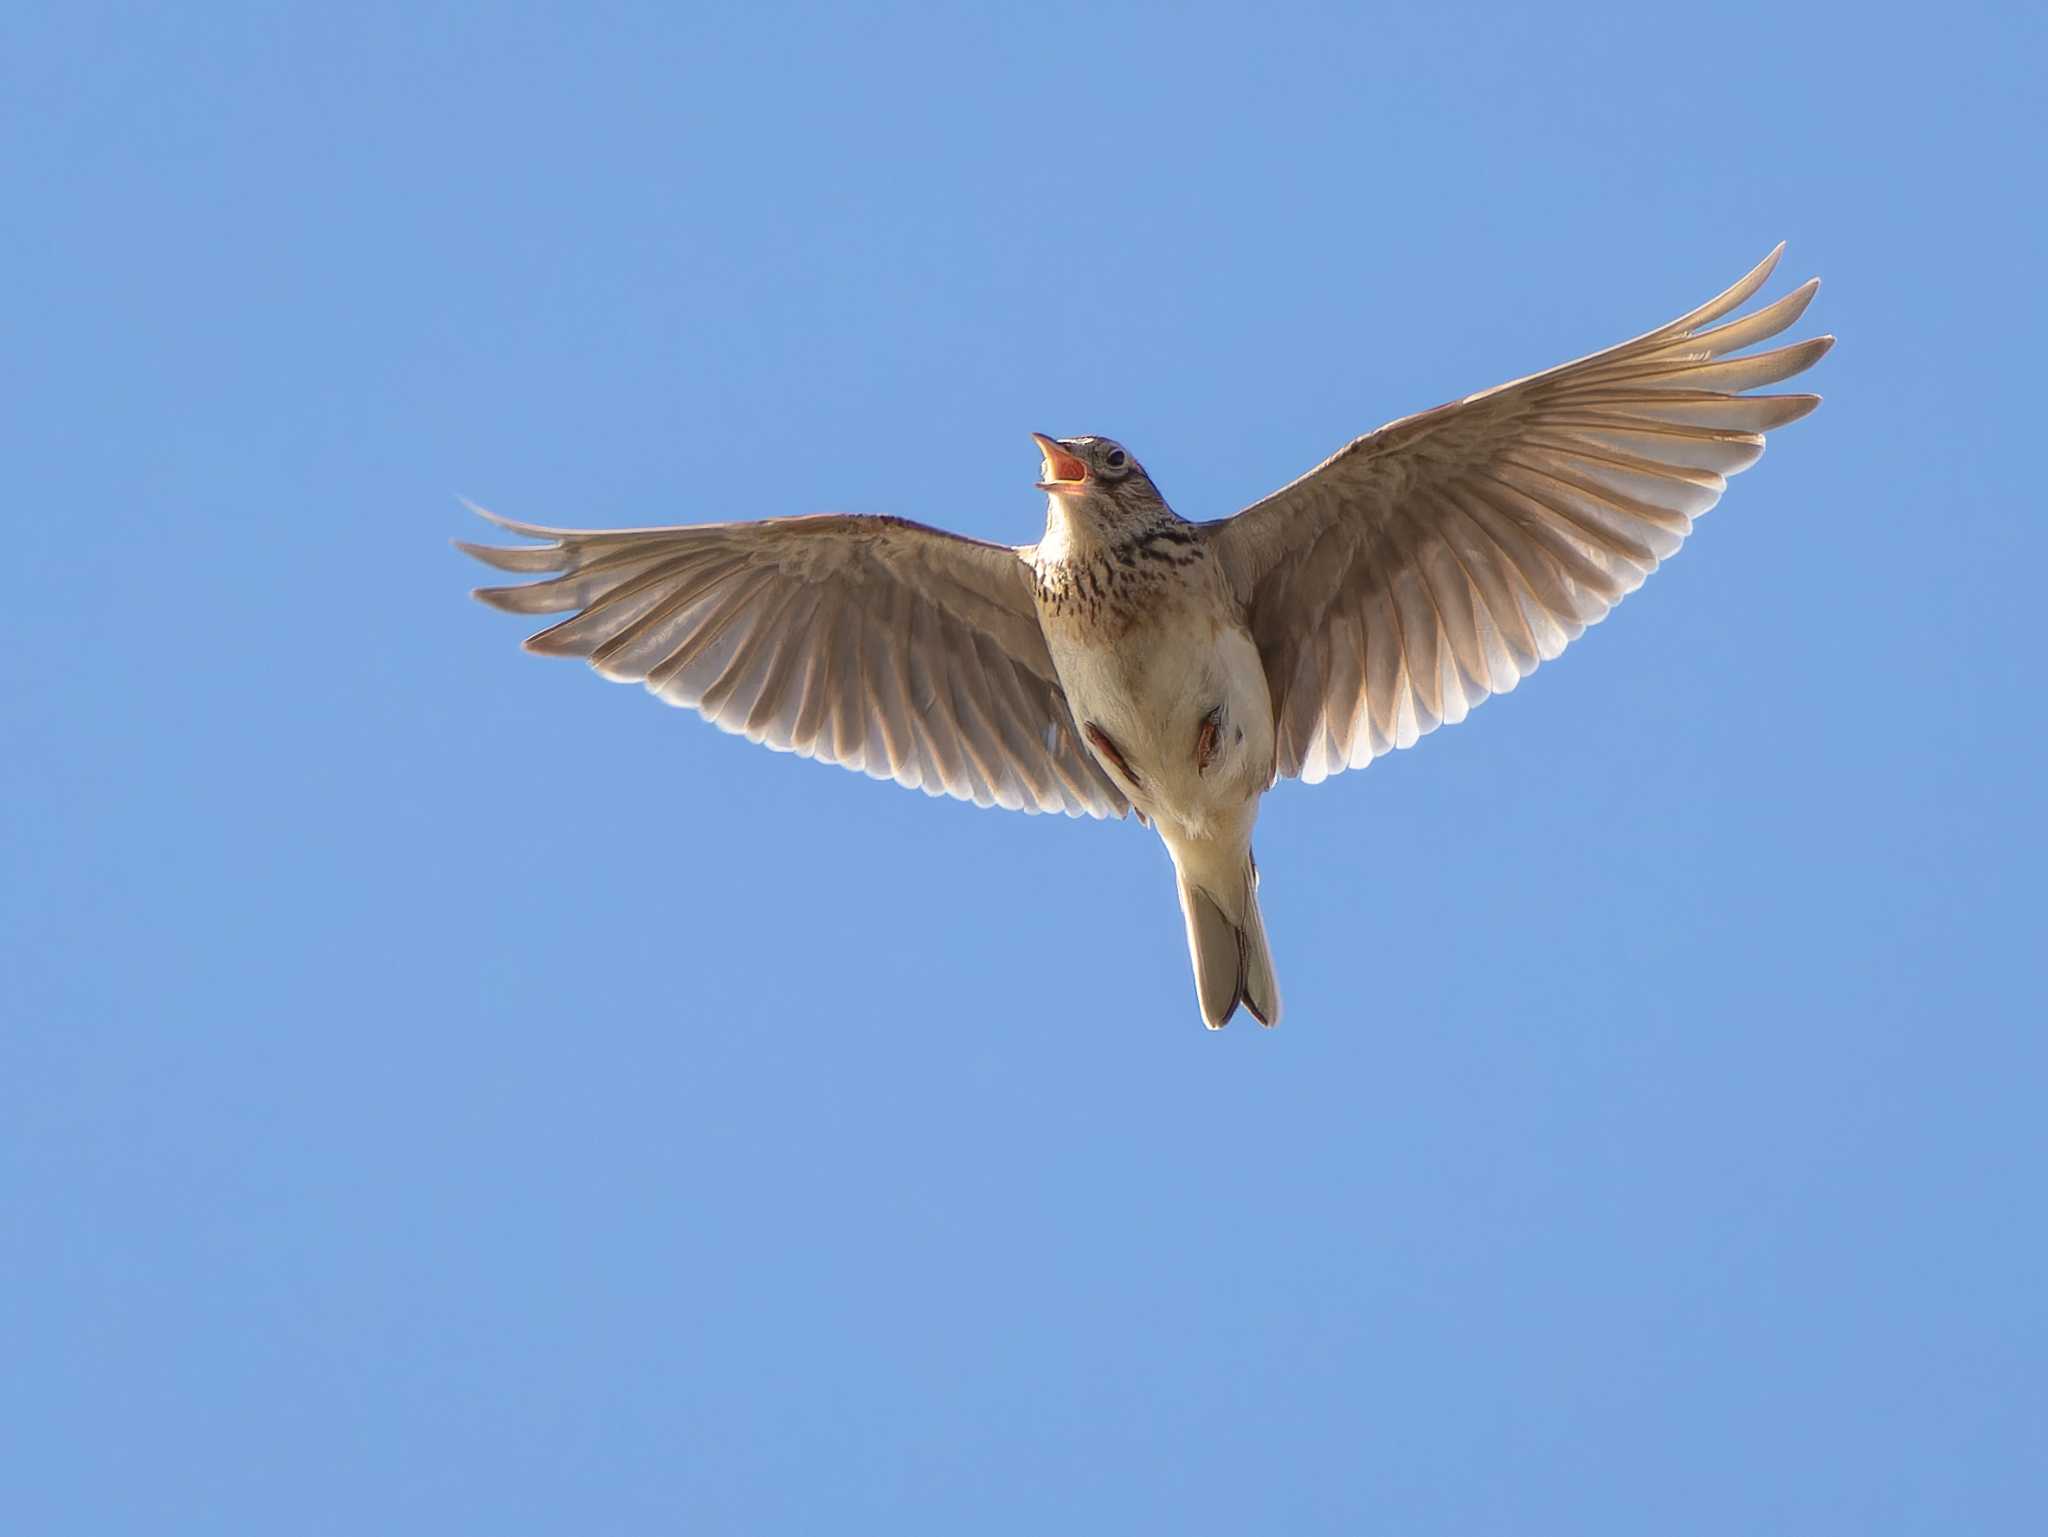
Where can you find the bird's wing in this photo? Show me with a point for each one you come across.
(874, 643)
(1438, 560)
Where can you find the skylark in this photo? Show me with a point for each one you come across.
(1134, 661)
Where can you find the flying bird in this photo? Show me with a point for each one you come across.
(1133, 661)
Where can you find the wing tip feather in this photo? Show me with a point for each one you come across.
(548, 642)
(526, 559)
(1803, 355)
(1752, 280)
(1797, 406)
(529, 530)
(504, 599)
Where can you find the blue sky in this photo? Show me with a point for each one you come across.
(440, 1091)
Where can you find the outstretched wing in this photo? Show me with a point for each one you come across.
(1440, 559)
(874, 643)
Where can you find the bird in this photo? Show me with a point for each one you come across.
(1133, 661)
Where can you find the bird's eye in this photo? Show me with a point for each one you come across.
(1117, 459)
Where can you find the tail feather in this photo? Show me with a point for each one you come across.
(1232, 963)
(1261, 988)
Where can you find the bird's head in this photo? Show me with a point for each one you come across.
(1097, 479)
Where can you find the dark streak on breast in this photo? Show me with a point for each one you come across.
(1118, 582)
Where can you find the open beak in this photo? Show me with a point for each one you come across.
(1064, 474)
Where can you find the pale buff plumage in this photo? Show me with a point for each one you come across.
(1134, 660)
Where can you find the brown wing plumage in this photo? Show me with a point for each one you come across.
(874, 643)
(1438, 560)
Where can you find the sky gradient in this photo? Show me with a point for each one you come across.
(441, 1091)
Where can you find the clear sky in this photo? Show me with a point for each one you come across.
(443, 1092)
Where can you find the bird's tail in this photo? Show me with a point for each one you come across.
(1227, 943)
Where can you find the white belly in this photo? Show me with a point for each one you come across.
(1150, 694)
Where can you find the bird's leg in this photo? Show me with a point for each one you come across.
(1207, 735)
(1099, 740)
